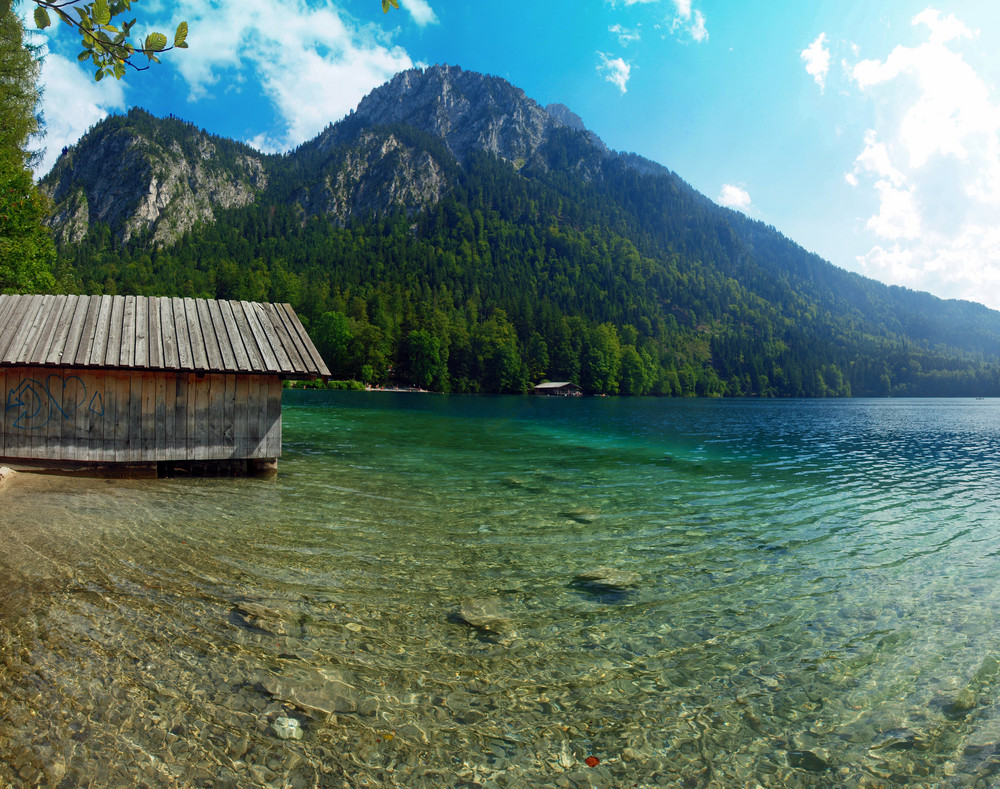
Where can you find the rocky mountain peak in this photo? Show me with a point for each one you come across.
(467, 110)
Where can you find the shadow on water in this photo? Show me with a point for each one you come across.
(602, 593)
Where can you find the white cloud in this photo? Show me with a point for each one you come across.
(683, 20)
(71, 103)
(625, 35)
(942, 30)
(697, 27)
(421, 12)
(615, 70)
(314, 63)
(931, 165)
(817, 59)
(736, 197)
(689, 20)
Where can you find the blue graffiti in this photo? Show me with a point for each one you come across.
(55, 399)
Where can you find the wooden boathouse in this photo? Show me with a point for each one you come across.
(146, 381)
(558, 389)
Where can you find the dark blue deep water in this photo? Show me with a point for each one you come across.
(486, 591)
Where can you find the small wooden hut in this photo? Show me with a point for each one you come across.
(558, 389)
(141, 380)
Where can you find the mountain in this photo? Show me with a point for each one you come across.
(141, 174)
(452, 233)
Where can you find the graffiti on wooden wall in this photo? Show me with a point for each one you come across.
(35, 404)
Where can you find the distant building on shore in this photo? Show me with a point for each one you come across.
(558, 389)
(155, 384)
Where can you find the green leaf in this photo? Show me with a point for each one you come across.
(85, 55)
(99, 75)
(42, 20)
(102, 14)
(155, 42)
(181, 35)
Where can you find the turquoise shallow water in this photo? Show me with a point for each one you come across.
(807, 594)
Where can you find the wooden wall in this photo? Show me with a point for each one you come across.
(137, 417)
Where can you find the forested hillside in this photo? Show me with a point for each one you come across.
(465, 270)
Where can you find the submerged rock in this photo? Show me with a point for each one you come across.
(255, 616)
(320, 693)
(487, 615)
(609, 578)
(580, 515)
(962, 705)
(808, 760)
(901, 739)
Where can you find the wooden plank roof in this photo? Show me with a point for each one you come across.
(151, 333)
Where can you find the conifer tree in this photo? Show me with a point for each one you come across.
(26, 248)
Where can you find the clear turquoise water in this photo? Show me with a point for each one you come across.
(815, 601)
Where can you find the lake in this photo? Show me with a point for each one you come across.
(521, 592)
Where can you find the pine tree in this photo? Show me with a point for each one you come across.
(26, 248)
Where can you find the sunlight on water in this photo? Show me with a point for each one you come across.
(451, 591)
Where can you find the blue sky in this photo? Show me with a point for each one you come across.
(867, 132)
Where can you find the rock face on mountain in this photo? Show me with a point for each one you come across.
(138, 173)
(376, 172)
(167, 175)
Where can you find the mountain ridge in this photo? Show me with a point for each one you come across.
(455, 190)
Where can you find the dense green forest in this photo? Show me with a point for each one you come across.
(624, 281)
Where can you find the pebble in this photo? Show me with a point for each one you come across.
(287, 728)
